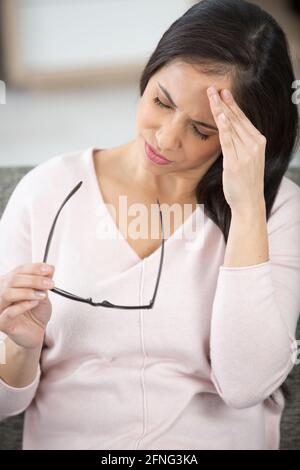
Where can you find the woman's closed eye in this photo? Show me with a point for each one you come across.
(195, 130)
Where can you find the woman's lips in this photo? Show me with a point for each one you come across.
(154, 157)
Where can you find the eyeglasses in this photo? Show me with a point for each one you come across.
(104, 303)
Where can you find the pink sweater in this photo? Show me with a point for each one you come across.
(196, 371)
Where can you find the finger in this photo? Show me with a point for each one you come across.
(247, 141)
(228, 98)
(34, 268)
(35, 282)
(12, 295)
(239, 127)
(217, 107)
(15, 310)
(21, 287)
(230, 155)
(226, 131)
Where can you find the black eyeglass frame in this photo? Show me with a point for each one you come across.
(104, 303)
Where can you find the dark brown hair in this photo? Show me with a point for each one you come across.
(241, 39)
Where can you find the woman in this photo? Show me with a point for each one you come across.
(203, 368)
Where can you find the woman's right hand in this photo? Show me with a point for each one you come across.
(21, 320)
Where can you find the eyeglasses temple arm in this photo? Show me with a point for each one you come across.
(55, 220)
(161, 257)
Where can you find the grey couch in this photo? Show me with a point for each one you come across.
(11, 428)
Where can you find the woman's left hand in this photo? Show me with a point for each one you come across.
(243, 148)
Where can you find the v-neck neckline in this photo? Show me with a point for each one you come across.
(98, 195)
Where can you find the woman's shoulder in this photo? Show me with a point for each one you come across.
(288, 190)
(50, 181)
(286, 207)
(61, 163)
(56, 171)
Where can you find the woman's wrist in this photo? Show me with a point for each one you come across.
(21, 364)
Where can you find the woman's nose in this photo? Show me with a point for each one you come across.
(168, 137)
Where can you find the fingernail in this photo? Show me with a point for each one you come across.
(211, 91)
(45, 269)
(48, 283)
(226, 94)
(40, 293)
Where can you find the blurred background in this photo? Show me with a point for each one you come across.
(72, 67)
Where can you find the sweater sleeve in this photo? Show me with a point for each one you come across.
(15, 400)
(16, 249)
(255, 314)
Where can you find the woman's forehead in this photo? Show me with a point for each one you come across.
(181, 76)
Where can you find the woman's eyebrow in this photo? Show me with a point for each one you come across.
(201, 123)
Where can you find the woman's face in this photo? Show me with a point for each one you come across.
(191, 147)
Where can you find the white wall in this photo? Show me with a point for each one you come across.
(37, 125)
(75, 33)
